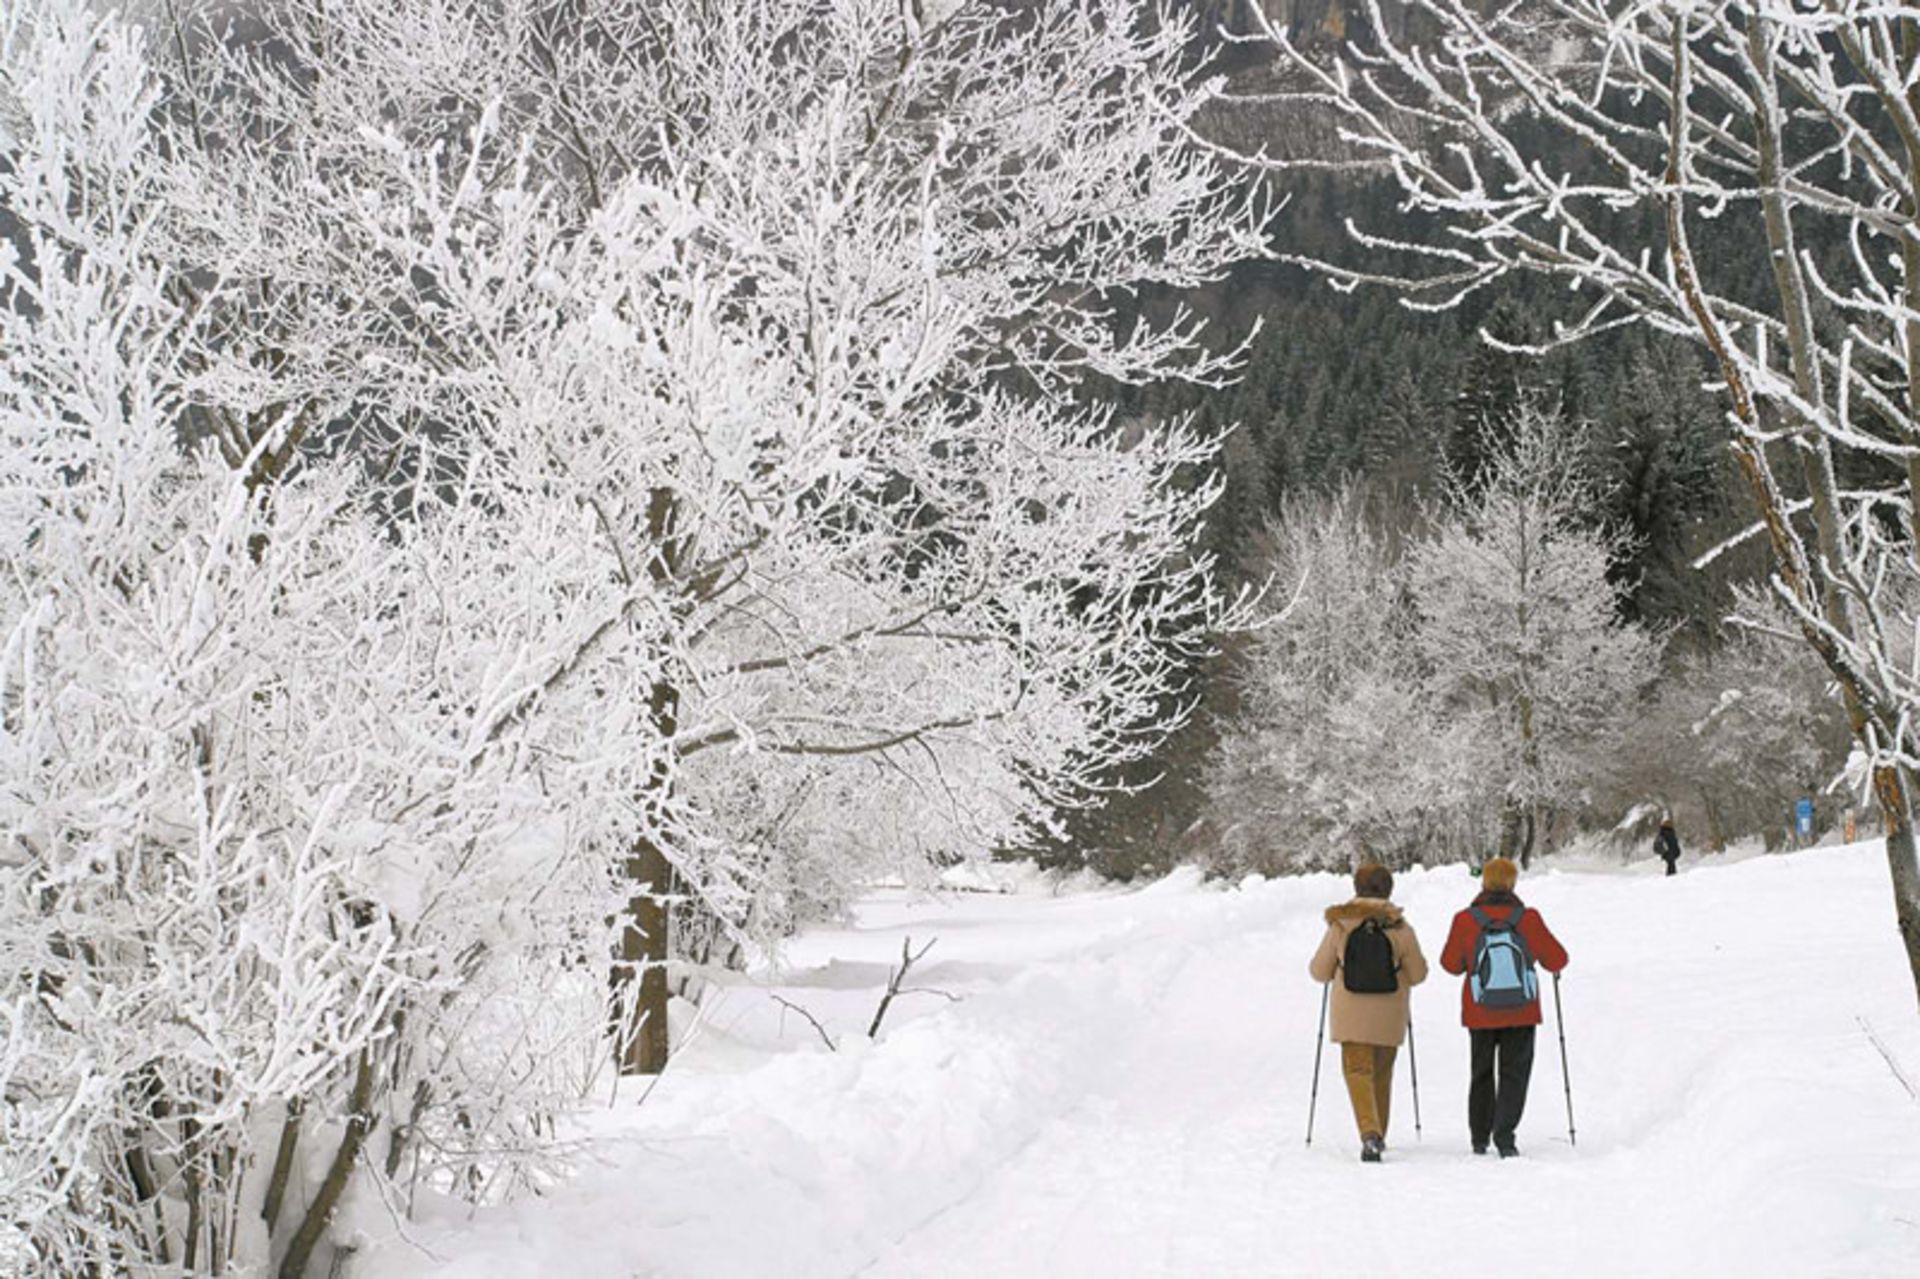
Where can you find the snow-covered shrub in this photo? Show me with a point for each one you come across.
(1738, 733)
(306, 807)
(474, 476)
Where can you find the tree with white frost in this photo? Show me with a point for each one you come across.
(1519, 629)
(1737, 734)
(471, 475)
(1795, 126)
(302, 843)
(790, 298)
(1336, 754)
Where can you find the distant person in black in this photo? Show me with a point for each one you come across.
(1667, 844)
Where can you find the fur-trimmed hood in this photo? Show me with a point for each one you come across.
(1352, 912)
(1357, 1017)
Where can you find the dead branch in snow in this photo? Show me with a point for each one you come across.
(1886, 1054)
(813, 1021)
(908, 958)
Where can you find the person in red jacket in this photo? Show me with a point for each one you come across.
(1500, 1021)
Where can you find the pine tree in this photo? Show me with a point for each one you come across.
(1488, 396)
(1656, 459)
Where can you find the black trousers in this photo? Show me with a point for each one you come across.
(1502, 1065)
(1670, 861)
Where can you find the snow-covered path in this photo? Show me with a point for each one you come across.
(1123, 1092)
(1187, 1158)
(1172, 1161)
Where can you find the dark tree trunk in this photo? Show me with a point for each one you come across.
(1716, 834)
(326, 1200)
(640, 1032)
(282, 1164)
(639, 976)
(642, 1035)
(1894, 787)
(1509, 830)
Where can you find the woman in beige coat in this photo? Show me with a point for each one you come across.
(1369, 1027)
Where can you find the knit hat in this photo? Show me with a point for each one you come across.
(1499, 875)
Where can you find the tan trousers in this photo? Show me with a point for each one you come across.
(1369, 1073)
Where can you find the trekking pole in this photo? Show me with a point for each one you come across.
(1319, 1038)
(1566, 1080)
(1413, 1061)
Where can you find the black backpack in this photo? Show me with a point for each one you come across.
(1368, 962)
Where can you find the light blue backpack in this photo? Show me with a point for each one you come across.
(1502, 975)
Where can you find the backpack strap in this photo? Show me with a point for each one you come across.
(1487, 921)
(1520, 938)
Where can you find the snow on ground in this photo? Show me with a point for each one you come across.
(1122, 1090)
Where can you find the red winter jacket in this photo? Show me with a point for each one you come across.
(1457, 957)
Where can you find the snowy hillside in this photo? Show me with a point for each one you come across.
(1122, 1090)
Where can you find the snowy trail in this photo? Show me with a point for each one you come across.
(1190, 1159)
(1154, 1166)
(1124, 1092)
(1186, 1103)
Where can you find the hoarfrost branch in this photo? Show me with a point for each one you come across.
(1794, 120)
(483, 488)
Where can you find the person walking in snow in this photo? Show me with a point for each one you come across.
(1494, 944)
(1667, 844)
(1372, 959)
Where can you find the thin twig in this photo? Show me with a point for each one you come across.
(1887, 1055)
(825, 1038)
(947, 995)
(908, 958)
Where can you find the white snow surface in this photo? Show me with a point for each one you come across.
(1122, 1090)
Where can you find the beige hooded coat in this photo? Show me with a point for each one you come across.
(1368, 1019)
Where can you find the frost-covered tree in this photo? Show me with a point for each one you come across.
(302, 844)
(1793, 123)
(471, 474)
(1426, 688)
(789, 297)
(1737, 732)
(1519, 629)
(1337, 755)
